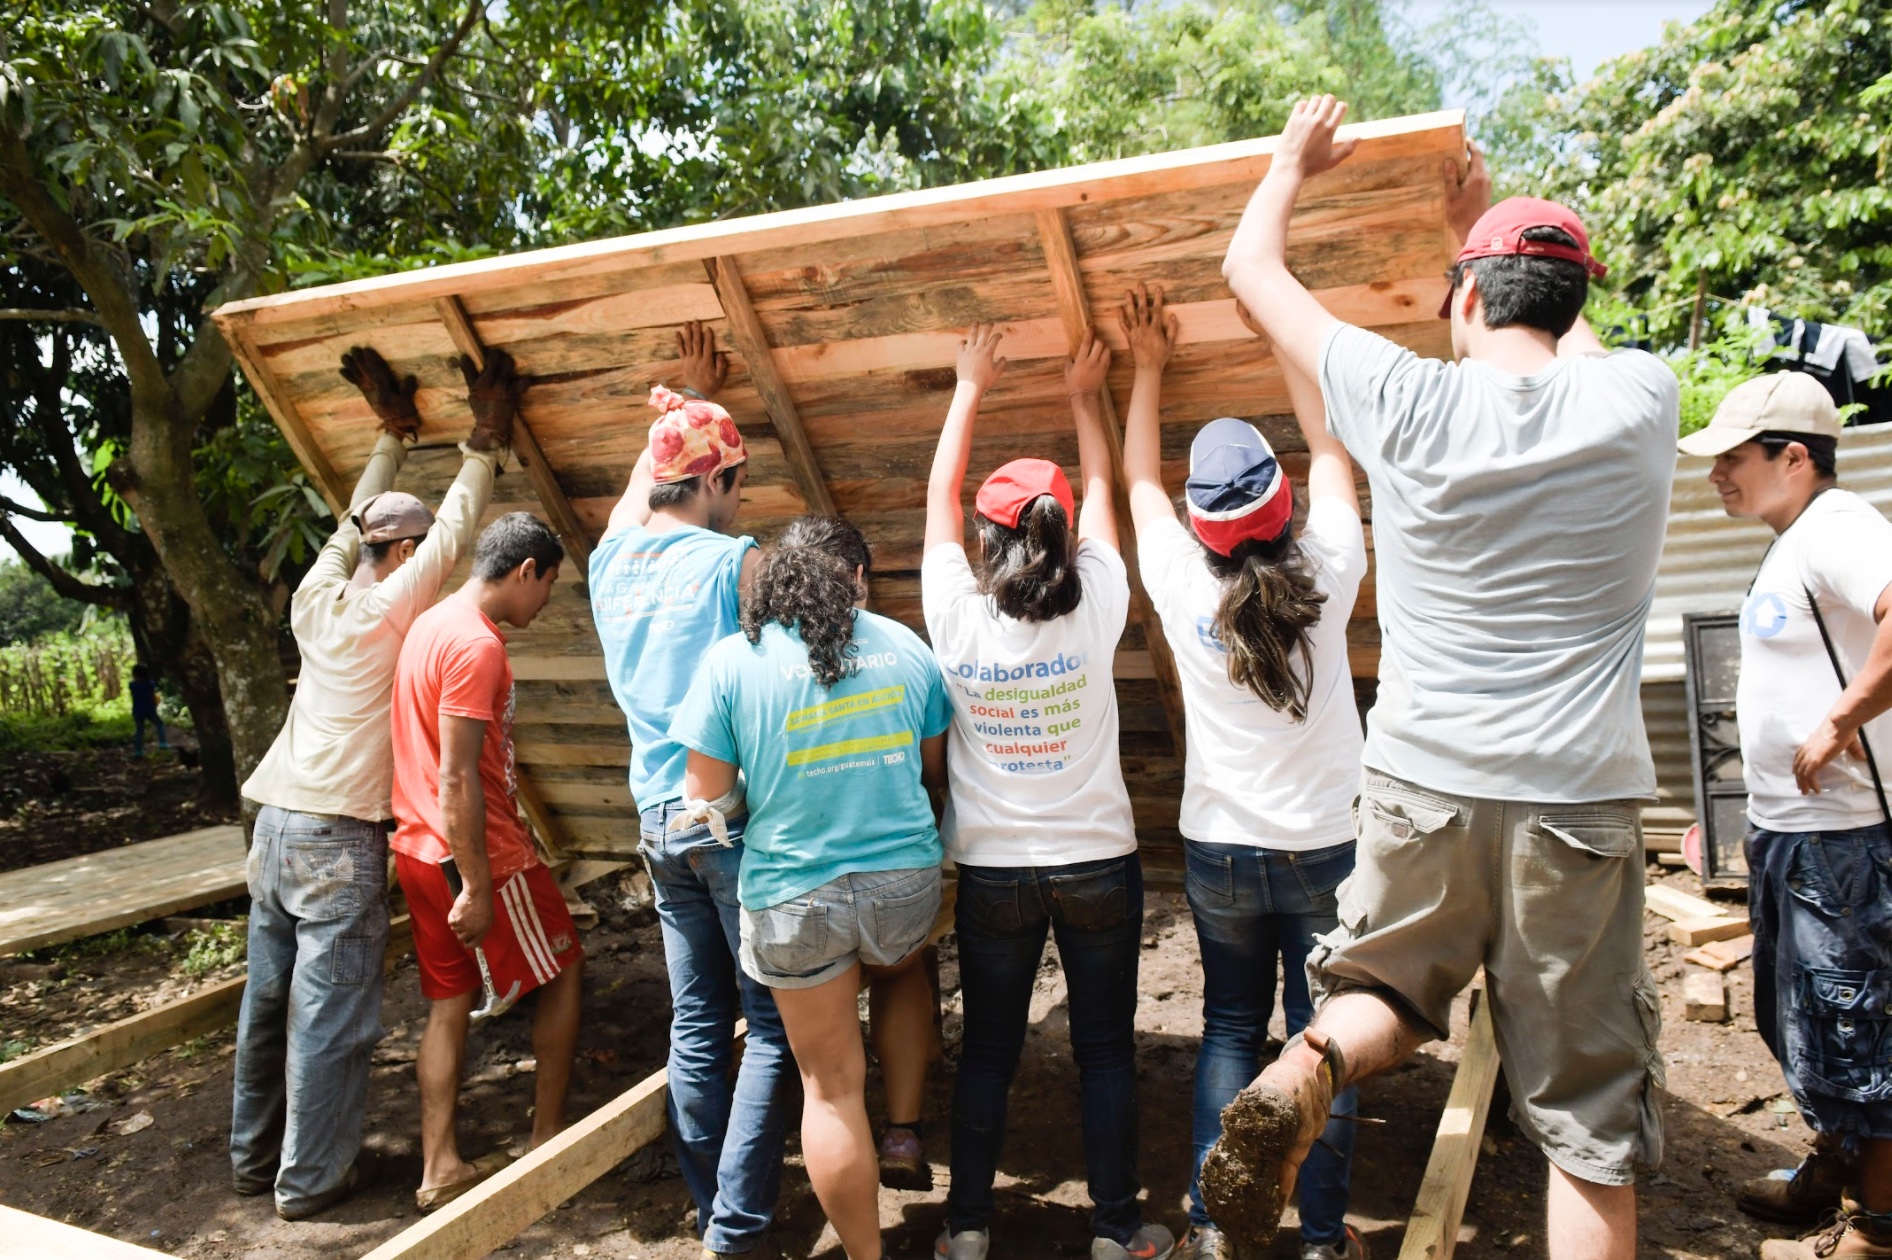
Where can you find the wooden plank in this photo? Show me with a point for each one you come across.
(83, 896)
(41, 1238)
(1432, 1230)
(1705, 997)
(1054, 235)
(525, 447)
(295, 430)
(751, 341)
(1722, 955)
(1674, 904)
(1692, 932)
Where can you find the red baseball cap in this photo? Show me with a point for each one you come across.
(1500, 232)
(1009, 491)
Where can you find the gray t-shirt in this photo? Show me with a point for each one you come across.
(1517, 522)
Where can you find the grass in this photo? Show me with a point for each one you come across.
(207, 949)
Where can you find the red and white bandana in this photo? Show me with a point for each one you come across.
(693, 437)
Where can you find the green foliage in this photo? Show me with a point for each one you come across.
(249, 480)
(66, 691)
(219, 945)
(30, 608)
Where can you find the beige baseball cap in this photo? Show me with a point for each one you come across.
(390, 515)
(1784, 402)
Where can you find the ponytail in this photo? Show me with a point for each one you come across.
(1269, 606)
(1030, 570)
(806, 581)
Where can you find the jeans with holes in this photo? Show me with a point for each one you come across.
(729, 1134)
(1255, 908)
(1002, 918)
(1820, 904)
(312, 1008)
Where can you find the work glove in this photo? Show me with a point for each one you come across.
(492, 393)
(389, 397)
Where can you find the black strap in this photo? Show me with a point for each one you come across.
(1878, 785)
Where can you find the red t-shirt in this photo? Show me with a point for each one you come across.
(454, 662)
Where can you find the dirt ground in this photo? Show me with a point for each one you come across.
(57, 805)
(166, 1185)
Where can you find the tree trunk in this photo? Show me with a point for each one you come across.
(196, 676)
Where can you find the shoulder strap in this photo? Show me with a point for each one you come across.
(1878, 784)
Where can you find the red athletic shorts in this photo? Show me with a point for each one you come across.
(532, 938)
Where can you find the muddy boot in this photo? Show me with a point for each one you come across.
(1248, 1175)
(1855, 1234)
(1803, 1195)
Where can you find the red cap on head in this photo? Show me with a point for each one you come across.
(1500, 232)
(1010, 490)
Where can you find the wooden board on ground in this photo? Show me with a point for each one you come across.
(1705, 997)
(843, 322)
(1722, 955)
(1693, 932)
(83, 896)
(1675, 905)
(45, 1239)
(1432, 1230)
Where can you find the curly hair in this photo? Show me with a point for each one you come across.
(806, 582)
(1265, 618)
(1030, 569)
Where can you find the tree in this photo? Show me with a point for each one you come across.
(30, 608)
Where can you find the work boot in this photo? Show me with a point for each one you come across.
(903, 1163)
(1855, 1234)
(1248, 1175)
(1803, 1195)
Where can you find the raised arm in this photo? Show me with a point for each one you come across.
(1257, 263)
(979, 366)
(1329, 469)
(704, 370)
(1084, 383)
(1151, 331)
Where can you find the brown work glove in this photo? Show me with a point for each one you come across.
(389, 397)
(493, 393)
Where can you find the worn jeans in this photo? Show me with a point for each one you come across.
(1002, 918)
(729, 1135)
(1820, 903)
(1254, 907)
(312, 1008)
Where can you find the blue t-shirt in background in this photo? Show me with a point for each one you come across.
(660, 602)
(833, 772)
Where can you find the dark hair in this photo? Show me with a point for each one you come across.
(677, 493)
(1542, 293)
(1822, 450)
(1269, 606)
(375, 552)
(141, 673)
(806, 580)
(1030, 570)
(512, 540)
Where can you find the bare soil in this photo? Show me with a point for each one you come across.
(57, 805)
(167, 1186)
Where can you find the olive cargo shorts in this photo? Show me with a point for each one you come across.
(1548, 899)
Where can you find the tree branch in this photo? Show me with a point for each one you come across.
(63, 582)
(204, 367)
(67, 315)
(32, 514)
(475, 10)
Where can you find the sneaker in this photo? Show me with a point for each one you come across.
(967, 1244)
(322, 1202)
(1350, 1247)
(1150, 1242)
(1800, 1196)
(1204, 1242)
(903, 1163)
(1845, 1239)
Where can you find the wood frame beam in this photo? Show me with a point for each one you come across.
(751, 341)
(1432, 1230)
(46, 1239)
(1067, 281)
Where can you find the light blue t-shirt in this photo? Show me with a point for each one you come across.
(660, 602)
(833, 772)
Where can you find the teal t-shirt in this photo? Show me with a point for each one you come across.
(833, 773)
(660, 601)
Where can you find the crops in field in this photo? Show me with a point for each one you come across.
(64, 674)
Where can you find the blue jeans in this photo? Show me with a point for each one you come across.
(729, 1135)
(1253, 907)
(312, 1008)
(1002, 918)
(138, 721)
(1820, 903)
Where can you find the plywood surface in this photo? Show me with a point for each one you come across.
(842, 323)
(62, 901)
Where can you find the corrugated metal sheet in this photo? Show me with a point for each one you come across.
(1665, 714)
(1708, 559)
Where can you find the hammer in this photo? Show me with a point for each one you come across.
(495, 1005)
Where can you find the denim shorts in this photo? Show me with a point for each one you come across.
(1820, 903)
(873, 917)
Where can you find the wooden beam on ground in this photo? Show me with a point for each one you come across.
(327, 481)
(1432, 1231)
(1074, 308)
(44, 1239)
(751, 341)
(525, 447)
(62, 901)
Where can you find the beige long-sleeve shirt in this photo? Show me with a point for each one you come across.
(334, 753)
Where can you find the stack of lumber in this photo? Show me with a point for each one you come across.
(1720, 942)
(843, 322)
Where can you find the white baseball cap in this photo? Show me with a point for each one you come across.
(1783, 402)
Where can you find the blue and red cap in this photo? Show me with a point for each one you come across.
(1236, 489)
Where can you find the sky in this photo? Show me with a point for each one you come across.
(1586, 31)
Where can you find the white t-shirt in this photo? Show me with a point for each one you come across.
(1032, 757)
(1841, 550)
(1252, 775)
(1517, 522)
